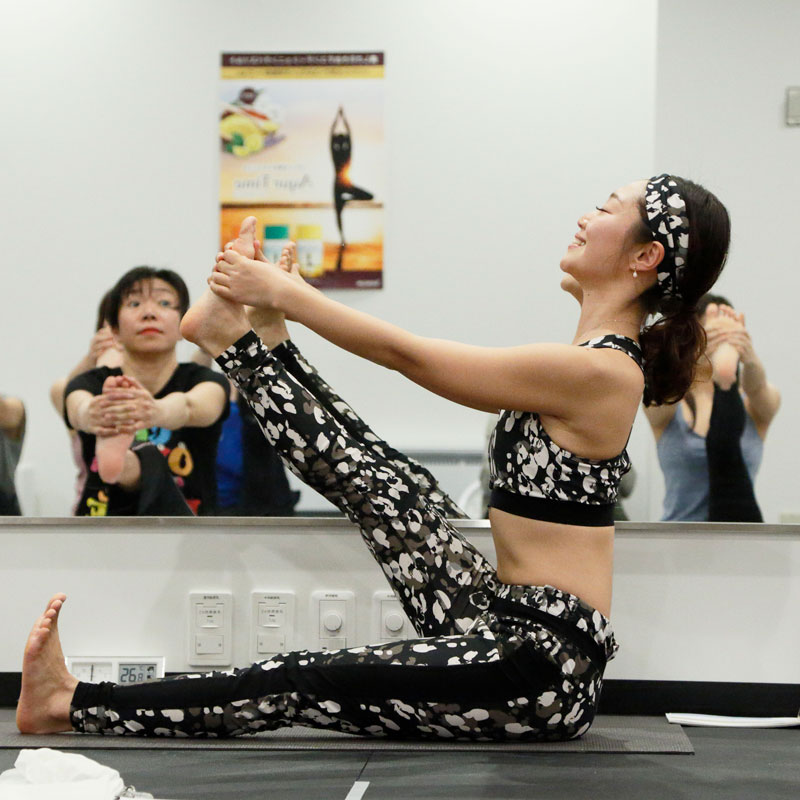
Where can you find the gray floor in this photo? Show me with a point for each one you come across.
(728, 764)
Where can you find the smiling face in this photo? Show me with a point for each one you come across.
(605, 240)
(149, 317)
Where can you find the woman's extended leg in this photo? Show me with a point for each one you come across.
(296, 364)
(441, 579)
(509, 681)
(470, 687)
(731, 496)
(443, 582)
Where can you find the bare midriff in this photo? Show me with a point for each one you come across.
(574, 558)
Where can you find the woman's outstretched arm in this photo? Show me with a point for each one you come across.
(554, 379)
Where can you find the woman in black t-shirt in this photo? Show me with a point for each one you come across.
(149, 430)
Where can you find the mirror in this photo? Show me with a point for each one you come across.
(526, 118)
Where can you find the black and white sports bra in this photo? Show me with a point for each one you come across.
(532, 476)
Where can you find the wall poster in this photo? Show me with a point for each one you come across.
(302, 145)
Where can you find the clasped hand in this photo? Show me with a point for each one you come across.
(124, 407)
(726, 330)
(257, 283)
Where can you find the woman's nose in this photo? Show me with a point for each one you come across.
(148, 308)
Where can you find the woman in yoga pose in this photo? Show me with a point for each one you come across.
(512, 653)
(711, 443)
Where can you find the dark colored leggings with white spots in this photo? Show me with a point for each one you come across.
(494, 662)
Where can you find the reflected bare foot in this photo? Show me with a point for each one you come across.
(47, 686)
(725, 359)
(110, 450)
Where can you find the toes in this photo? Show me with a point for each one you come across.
(247, 231)
(59, 598)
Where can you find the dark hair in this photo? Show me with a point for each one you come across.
(102, 311)
(675, 342)
(123, 287)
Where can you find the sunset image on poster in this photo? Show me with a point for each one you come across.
(302, 149)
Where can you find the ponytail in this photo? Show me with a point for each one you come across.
(672, 348)
(674, 344)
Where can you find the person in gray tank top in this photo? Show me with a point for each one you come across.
(710, 445)
(12, 431)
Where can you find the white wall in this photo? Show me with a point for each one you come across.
(693, 603)
(505, 122)
(723, 69)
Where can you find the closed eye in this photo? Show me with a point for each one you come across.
(604, 210)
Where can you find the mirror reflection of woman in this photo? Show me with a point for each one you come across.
(710, 445)
(515, 652)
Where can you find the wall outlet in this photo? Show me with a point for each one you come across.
(210, 629)
(272, 621)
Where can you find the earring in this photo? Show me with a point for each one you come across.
(635, 273)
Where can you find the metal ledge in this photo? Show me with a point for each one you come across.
(341, 523)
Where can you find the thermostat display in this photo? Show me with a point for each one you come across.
(117, 669)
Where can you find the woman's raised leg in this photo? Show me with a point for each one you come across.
(441, 579)
(309, 377)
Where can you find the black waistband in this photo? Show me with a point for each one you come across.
(567, 629)
(567, 512)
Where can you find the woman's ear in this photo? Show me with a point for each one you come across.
(647, 257)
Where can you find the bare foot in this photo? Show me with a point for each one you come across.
(47, 687)
(725, 359)
(245, 243)
(269, 323)
(214, 323)
(112, 357)
(110, 450)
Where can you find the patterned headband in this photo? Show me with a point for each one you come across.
(669, 224)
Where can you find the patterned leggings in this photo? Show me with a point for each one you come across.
(494, 662)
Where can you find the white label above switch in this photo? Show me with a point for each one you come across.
(209, 616)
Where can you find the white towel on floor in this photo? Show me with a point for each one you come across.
(46, 774)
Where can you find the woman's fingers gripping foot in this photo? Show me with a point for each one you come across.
(47, 686)
(290, 264)
(247, 281)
